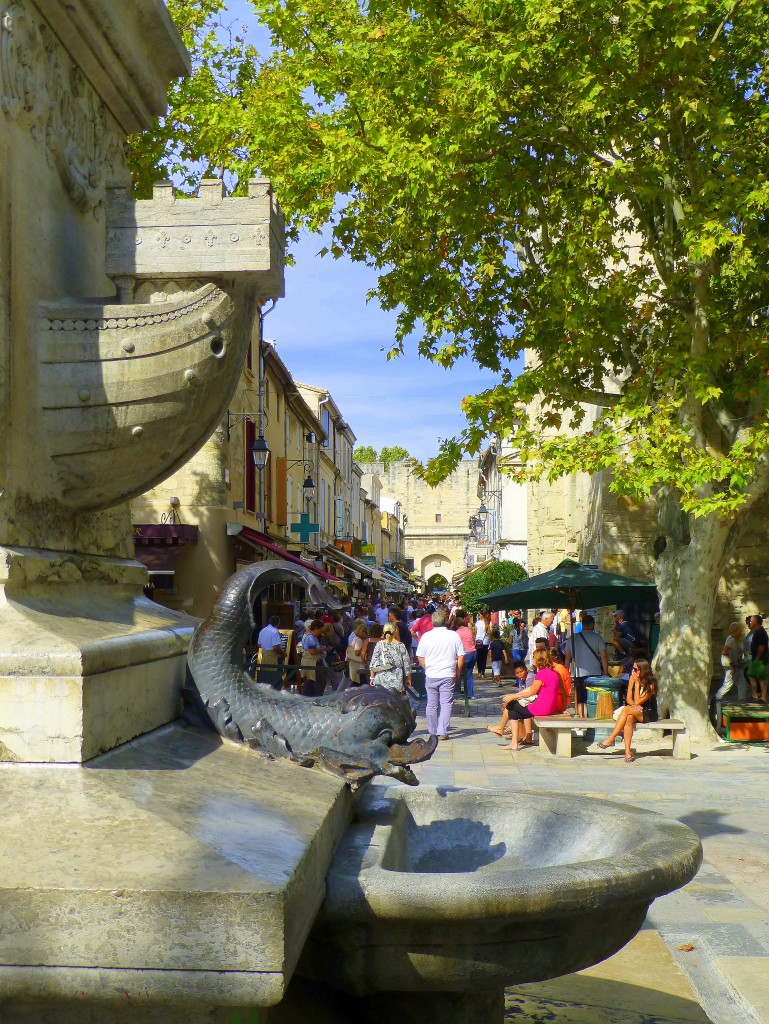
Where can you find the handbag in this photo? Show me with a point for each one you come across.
(525, 701)
(756, 669)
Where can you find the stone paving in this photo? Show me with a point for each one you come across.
(722, 793)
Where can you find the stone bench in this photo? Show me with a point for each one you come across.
(556, 731)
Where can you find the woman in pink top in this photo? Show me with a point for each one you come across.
(465, 634)
(546, 690)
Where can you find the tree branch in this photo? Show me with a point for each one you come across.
(650, 232)
(724, 21)
(590, 396)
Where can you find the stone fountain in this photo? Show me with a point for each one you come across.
(152, 871)
(123, 330)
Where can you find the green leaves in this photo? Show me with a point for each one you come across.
(388, 454)
(486, 581)
(365, 453)
(578, 181)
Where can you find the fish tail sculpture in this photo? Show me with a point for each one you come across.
(355, 733)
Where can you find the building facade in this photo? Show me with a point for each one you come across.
(435, 520)
(220, 511)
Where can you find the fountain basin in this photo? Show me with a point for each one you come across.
(468, 891)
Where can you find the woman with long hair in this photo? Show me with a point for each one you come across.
(465, 634)
(482, 641)
(390, 664)
(640, 706)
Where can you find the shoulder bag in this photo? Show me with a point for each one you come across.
(590, 648)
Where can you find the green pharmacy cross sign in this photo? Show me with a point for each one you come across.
(304, 528)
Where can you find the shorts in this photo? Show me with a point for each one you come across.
(496, 668)
(519, 711)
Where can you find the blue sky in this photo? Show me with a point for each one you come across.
(328, 335)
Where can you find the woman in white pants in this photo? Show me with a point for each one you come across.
(732, 659)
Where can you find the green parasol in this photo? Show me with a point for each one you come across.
(572, 585)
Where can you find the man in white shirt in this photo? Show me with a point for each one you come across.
(441, 655)
(270, 641)
(541, 630)
(382, 612)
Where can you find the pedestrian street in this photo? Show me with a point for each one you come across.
(704, 951)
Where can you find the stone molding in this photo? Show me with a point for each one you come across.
(50, 96)
(128, 51)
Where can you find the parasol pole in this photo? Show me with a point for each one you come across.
(572, 602)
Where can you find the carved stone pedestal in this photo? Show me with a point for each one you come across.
(86, 661)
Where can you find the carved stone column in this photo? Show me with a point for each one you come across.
(123, 328)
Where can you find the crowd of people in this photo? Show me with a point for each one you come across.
(551, 662)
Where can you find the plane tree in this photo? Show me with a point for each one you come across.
(580, 181)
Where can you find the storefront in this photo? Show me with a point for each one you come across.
(159, 546)
(286, 600)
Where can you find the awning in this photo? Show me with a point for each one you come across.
(404, 584)
(257, 540)
(159, 557)
(366, 570)
(158, 545)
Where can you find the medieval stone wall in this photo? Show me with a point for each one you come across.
(437, 528)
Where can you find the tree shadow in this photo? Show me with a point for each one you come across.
(708, 823)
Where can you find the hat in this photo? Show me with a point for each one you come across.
(619, 612)
(389, 629)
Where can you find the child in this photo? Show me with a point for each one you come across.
(498, 652)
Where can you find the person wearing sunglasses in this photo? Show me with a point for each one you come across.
(640, 706)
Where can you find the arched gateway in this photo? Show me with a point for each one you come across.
(437, 564)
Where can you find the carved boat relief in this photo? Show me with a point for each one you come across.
(130, 390)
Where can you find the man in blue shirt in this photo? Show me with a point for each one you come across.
(270, 640)
(624, 632)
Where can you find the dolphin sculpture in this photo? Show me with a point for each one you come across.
(355, 733)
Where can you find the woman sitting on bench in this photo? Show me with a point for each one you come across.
(542, 697)
(524, 678)
(640, 706)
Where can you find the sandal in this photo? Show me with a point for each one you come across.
(629, 759)
(495, 731)
(605, 746)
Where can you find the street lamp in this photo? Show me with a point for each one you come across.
(483, 513)
(260, 453)
(309, 484)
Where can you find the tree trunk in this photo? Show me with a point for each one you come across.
(687, 574)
